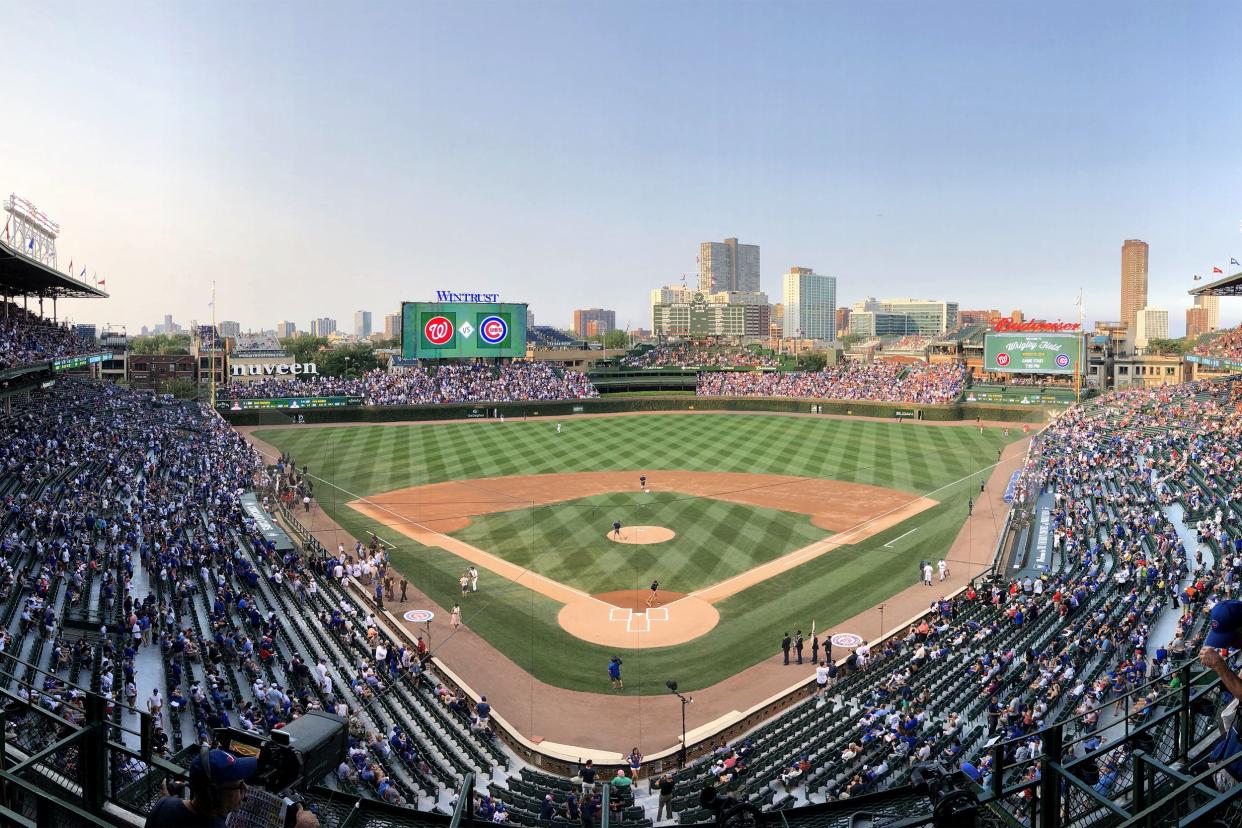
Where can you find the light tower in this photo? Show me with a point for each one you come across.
(30, 231)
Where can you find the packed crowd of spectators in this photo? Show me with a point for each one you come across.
(882, 381)
(690, 355)
(909, 342)
(419, 385)
(1227, 345)
(127, 510)
(27, 337)
(1143, 535)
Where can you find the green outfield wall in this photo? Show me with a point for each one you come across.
(569, 408)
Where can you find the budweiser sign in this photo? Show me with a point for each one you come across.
(1006, 325)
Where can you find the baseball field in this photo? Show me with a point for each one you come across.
(752, 524)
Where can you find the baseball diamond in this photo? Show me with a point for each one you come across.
(778, 521)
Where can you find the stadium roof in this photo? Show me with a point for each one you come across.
(1226, 286)
(22, 276)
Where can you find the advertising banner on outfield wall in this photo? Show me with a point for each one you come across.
(1035, 353)
(289, 402)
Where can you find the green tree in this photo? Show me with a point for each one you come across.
(617, 339)
(1168, 347)
(175, 343)
(849, 340)
(812, 360)
(352, 360)
(304, 347)
(182, 389)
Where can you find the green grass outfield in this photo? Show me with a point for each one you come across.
(568, 542)
(367, 460)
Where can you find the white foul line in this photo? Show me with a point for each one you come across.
(899, 537)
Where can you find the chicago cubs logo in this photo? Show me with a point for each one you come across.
(493, 329)
(438, 330)
(1063, 360)
(419, 616)
(1002, 360)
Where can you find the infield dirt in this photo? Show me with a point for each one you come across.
(853, 511)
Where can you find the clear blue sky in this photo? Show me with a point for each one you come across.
(319, 158)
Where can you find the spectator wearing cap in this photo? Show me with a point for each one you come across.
(1225, 632)
(215, 792)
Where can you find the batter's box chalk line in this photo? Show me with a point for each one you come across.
(638, 622)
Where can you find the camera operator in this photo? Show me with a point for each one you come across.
(216, 790)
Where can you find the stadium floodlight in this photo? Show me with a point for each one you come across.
(24, 208)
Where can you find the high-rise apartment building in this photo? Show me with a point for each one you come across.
(284, 330)
(229, 328)
(843, 320)
(1211, 304)
(1133, 280)
(392, 326)
(776, 325)
(1149, 324)
(728, 266)
(810, 304)
(362, 324)
(926, 317)
(1196, 322)
(606, 318)
(324, 326)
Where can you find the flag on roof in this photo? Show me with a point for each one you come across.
(1217, 270)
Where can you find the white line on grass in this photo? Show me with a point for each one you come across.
(889, 545)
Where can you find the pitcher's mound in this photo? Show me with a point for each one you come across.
(643, 534)
(636, 599)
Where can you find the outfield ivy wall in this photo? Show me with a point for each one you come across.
(568, 408)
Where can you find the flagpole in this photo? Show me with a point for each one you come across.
(1081, 354)
(213, 345)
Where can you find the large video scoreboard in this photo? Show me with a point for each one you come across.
(1033, 353)
(460, 330)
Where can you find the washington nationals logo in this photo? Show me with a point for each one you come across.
(1002, 360)
(438, 330)
(493, 329)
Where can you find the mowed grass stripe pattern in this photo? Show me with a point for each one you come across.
(522, 624)
(568, 542)
(367, 460)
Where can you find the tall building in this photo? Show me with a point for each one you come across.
(284, 330)
(169, 327)
(324, 326)
(530, 319)
(1149, 324)
(1196, 322)
(810, 304)
(669, 294)
(229, 328)
(392, 326)
(926, 317)
(1133, 280)
(606, 318)
(728, 265)
(1211, 304)
(978, 317)
(776, 325)
(362, 324)
(843, 320)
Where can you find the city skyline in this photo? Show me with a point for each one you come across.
(927, 175)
